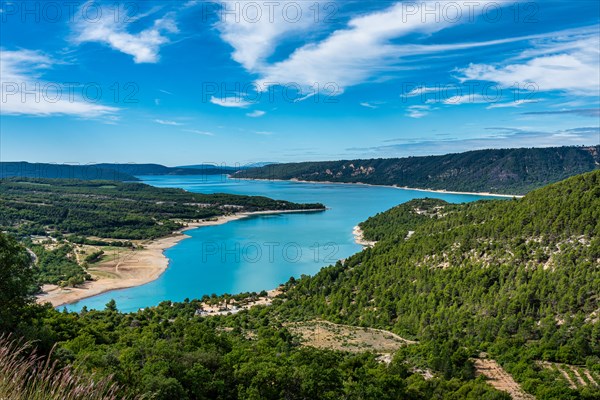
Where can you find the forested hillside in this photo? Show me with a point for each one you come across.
(115, 209)
(507, 171)
(519, 279)
(515, 281)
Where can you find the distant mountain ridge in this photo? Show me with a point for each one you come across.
(24, 169)
(158, 169)
(230, 168)
(102, 171)
(503, 171)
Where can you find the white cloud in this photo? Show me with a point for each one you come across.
(256, 114)
(144, 45)
(368, 105)
(23, 92)
(417, 111)
(422, 90)
(515, 103)
(468, 99)
(265, 133)
(255, 31)
(567, 63)
(368, 46)
(582, 112)
(363, 49)
(167, 122)
(205, 133)
(235, 102)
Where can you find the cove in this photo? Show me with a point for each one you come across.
(261, 252)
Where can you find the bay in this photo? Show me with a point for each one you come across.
(261, 252)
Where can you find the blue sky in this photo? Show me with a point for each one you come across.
(187, 82)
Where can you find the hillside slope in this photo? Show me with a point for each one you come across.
(507, 171)
(511, 284)
(519, 279)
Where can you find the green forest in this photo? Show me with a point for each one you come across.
(504, 171)
(516, 281)
(115, 209)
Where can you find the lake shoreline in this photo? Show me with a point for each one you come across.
(359, 238)
(518, 196)
(140, 266)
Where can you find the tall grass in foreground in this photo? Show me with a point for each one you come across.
(27, 376)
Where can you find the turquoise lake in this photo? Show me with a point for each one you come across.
(261, 252)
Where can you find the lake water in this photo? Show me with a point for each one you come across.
(261, 252)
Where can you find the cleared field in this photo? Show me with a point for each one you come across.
(327, 335)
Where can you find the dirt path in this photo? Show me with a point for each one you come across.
(500, 379)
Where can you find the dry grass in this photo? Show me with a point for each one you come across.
(327, 335)
(26, 376)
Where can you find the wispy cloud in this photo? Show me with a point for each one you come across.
(417, 111)
(167, 122)
(378, 42)
(234, 101)
(585, 112)
(24, 92)
(422, 90)
(516, 103)
(255, 114)
(467, 99)
(496, 137)
(368, 105)
(363, 49)
(144, 45)
(567, 63)
(199, 132)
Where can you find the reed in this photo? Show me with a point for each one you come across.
(24, 375)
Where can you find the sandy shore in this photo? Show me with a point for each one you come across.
(359, 238)
(389, 186)
(135, 267)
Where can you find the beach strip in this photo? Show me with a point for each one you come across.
(384, 186)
